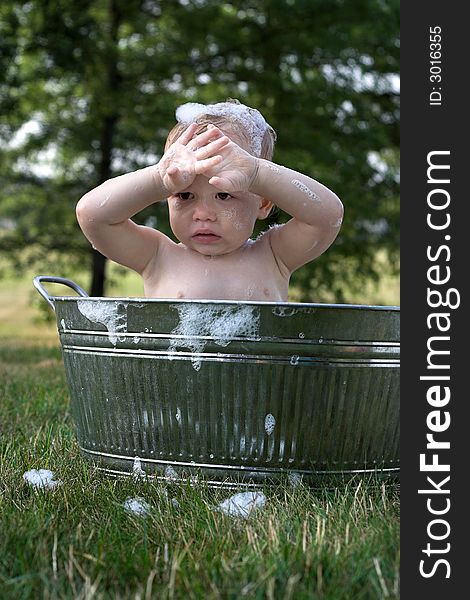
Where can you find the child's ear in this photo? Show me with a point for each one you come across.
(265, 207)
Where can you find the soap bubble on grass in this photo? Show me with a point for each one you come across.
(137, 506)
(294, 478)
(242, 504)
(173, 501)
(41, 479)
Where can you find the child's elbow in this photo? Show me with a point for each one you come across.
(80, 210)
(84, 210)
(339, 206)
(335, 215)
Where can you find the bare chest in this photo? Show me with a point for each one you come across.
(248, 275)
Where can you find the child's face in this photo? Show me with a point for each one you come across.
(211, 221)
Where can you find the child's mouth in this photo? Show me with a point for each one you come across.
(206, 237)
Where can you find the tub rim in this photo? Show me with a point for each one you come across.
(299, 305)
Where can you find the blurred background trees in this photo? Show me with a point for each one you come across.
(88, 91)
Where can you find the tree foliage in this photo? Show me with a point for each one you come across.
(97, 83)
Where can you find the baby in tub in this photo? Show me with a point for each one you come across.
(218, 177)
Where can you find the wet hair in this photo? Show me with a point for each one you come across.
(233, 120)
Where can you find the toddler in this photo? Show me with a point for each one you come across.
(218, 177)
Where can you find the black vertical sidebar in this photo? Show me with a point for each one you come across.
(435, 253)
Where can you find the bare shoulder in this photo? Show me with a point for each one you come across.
(129, 244)
(263, 245)
(296, 243)
(159, 248)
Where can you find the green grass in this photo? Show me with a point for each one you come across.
(78, 542)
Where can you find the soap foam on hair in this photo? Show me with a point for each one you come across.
(251, 119)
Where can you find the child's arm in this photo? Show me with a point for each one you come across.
(317, 212)
(104, 213)
(104, 217)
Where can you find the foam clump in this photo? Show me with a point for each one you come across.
(41, 479)
(269, 423)
(137, 506)
(284, 311)
(171, 474)
(113, 315)
(137, 470)
(242, 504)
(221, 323)
(251, 119)
(295, 479)
(306, 190)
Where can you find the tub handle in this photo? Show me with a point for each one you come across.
(37, 282)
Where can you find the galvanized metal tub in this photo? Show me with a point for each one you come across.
(238, 391)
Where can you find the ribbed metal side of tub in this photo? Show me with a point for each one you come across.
(243, 391)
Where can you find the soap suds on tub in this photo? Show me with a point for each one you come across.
(221, 323)
(41, 479)
(269, 423)
(137, 470)
(113, 315)
(284, 311)
(171, 474)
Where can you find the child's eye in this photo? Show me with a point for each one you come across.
(185, 196)
(223, 196)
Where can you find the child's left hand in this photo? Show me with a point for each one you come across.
(236, 171)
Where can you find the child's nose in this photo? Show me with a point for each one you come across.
(204, 211)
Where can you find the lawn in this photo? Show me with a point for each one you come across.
(78, 541)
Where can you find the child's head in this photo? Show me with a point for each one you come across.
(203, 217)
(245, 124)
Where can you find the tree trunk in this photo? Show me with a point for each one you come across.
(114, 80)
(98, 273)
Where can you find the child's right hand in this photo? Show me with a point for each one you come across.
(190, 156)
